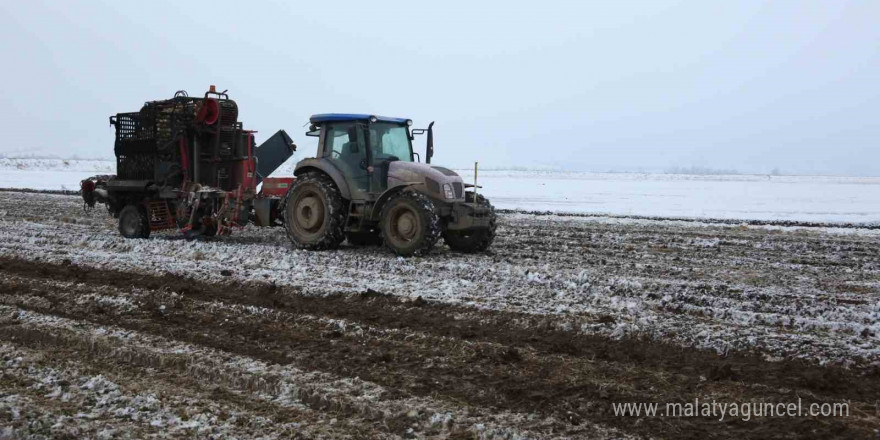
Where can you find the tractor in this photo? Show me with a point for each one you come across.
(367, 185)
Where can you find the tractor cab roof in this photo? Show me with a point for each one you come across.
(341, 117)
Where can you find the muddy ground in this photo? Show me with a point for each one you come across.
(242, 337)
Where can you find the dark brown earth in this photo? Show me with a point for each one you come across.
(503, 361)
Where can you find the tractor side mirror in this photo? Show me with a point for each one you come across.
(314, 131)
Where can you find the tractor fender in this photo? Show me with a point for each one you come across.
(319, 165)
(385, 196)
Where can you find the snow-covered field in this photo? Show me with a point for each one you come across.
(243, 336)
(50, 174)
(575, 312)
(747, 197)
(778, 290)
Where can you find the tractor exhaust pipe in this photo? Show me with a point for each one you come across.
(429, 150)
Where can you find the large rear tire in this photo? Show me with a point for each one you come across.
(314, 217)
(133, 222)
(473, 240)
(409, 224)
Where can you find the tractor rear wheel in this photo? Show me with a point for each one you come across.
(133, 222)
(409, 224)
(473, 240)
(313, 213)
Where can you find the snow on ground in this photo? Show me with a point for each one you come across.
(790, 293)
(751, 197)
(270, 384)
(122, 358)
(50, 174)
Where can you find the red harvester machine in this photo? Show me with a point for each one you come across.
(187, 163)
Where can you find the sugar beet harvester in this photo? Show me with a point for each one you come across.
(187, 163)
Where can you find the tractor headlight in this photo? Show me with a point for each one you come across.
(447, 191)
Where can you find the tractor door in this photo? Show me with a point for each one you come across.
(389, 142)
(346, 147)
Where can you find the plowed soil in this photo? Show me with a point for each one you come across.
(96, 346)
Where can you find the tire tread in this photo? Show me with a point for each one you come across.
(334, 234)
(429, 216)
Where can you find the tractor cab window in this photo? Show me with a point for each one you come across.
(345, 146)
(389, 142)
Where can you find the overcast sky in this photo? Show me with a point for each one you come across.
(611, 85)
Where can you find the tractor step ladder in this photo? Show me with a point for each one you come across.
(355, 216)
(160, 215)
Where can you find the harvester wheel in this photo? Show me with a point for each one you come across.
(473, 240)
(133, 222)
(409, 224)
(314, 216)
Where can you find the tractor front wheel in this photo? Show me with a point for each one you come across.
(473, 240)
(133, 222)
(314, 216)
(409, 224)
